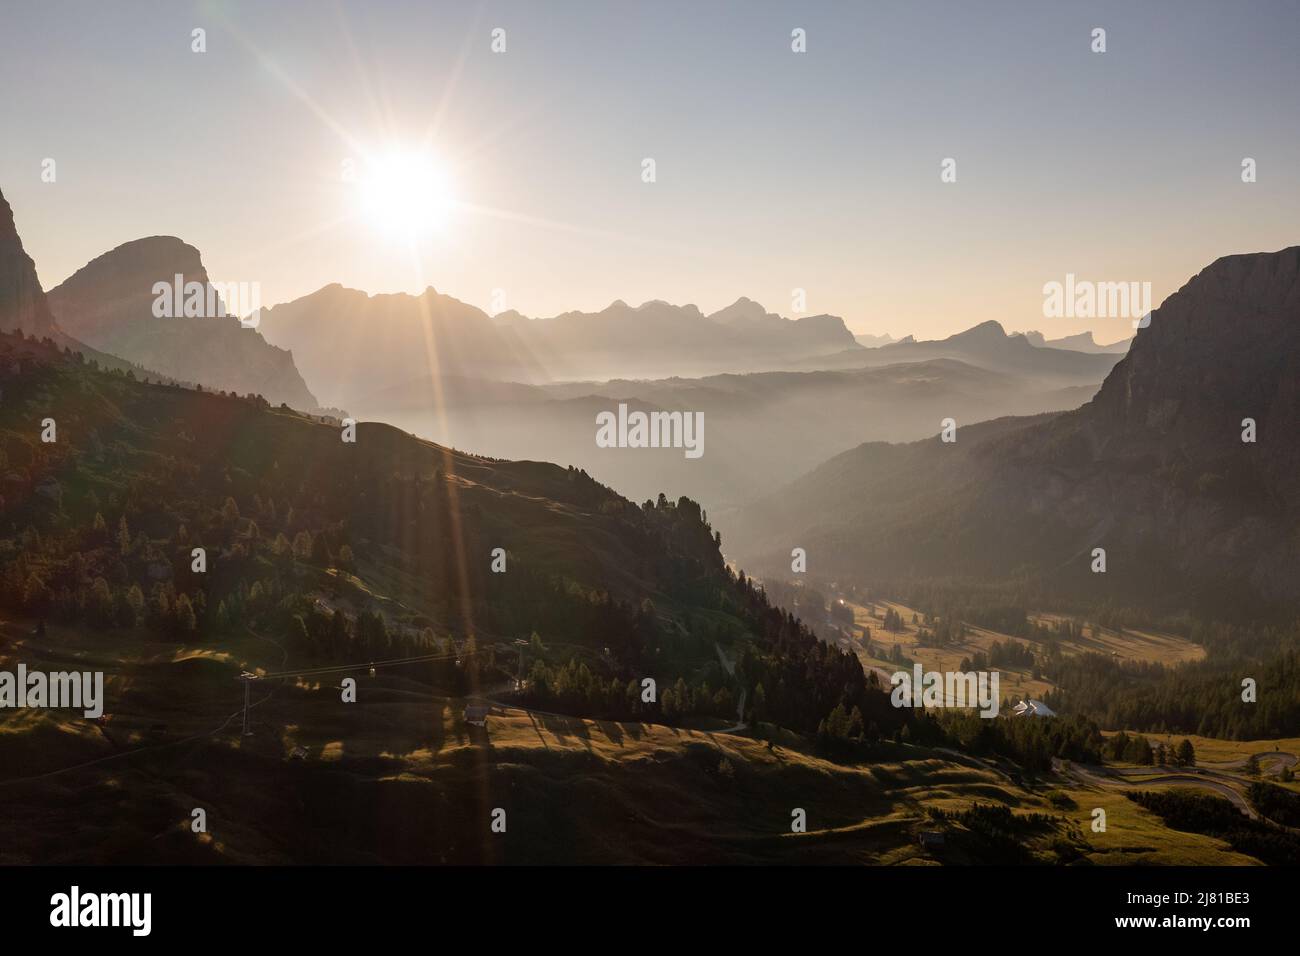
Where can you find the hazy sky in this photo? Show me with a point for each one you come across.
(775, 170)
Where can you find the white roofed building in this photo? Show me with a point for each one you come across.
(1033, 708)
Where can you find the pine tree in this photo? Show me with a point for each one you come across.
(99, 606)
(184, 611)
(36, 596)
(135, 601)
(298, 633)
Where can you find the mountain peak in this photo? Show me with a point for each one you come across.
(161, 256)
(743, 309)
(109, 303)
(22, 301)
(990, 330)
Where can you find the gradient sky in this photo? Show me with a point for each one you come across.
(775, 170)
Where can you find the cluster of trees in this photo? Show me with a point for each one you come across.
(846, 726)
(996, 612)
(787, 676)
(841, 613)
(1001, 654)
(1030, 742)
(130, 586)
(574, 687)
(804, 679)
(321, 633)
(993, 833)
(1217, 817)
(1276, 803)
(942, 631)
(1135, 748)
(1204, 697)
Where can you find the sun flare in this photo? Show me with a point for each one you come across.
(406, 195)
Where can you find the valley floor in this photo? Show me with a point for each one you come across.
(1016, 682)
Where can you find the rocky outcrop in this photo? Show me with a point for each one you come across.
(22, 302)
(110, 304)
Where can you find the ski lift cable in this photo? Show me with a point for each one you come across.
(339, 668)
(362, 665)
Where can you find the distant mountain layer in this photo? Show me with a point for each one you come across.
(874, 341)
(1083, 342)
(1154, 470)
(109, 304)
(350, 345)
(987, 345)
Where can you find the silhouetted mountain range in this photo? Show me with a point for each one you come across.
(874, 341)
(987, 345)
(1083, 342)
(346, 341)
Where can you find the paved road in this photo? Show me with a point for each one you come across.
(1135, 778)
(1271, 762)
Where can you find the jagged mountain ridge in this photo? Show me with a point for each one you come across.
(1082, 342)
(987, 345)
(348, 342)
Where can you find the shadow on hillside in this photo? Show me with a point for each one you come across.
(564, 728)
(612, 730)
(532, 722)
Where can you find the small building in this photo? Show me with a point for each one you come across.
(1033, 708)
(930, 839)
(477, 714)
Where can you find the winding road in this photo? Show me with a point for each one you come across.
(1132, 778)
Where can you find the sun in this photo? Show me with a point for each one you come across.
(406, 195)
